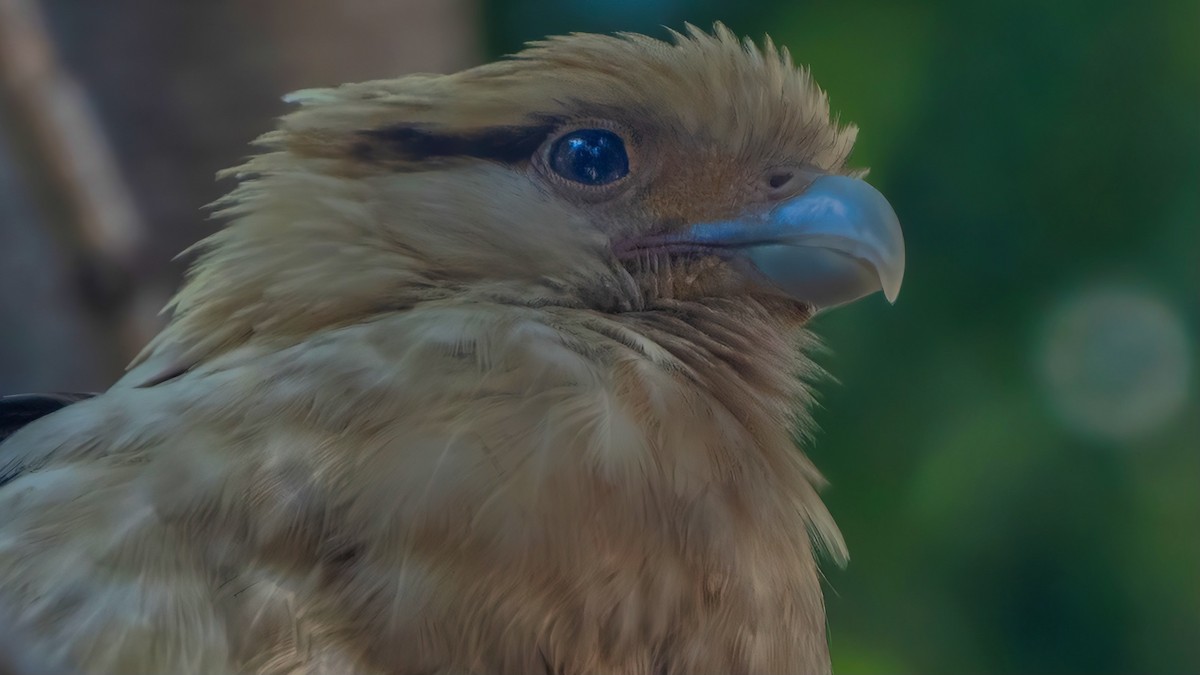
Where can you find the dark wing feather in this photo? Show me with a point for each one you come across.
(17, 411)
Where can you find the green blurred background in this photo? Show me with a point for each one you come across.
(1013, 448)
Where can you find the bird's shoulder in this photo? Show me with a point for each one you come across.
(246, 453)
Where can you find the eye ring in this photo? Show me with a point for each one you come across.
(590, 157)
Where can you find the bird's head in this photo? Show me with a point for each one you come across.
(604, 172)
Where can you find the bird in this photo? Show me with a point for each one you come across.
(501, 371)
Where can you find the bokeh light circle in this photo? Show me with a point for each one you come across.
(1115, 362)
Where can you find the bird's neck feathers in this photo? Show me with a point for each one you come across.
(749, 360)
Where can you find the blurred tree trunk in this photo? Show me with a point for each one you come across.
(61, 173)
(179, 89)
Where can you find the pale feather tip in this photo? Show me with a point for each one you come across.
(308, 96)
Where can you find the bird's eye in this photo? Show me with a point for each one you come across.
(590, 157)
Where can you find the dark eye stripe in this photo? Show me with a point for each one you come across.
(505, 144)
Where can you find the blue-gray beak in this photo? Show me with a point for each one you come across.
(834, 243)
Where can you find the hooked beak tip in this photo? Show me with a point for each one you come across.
(890, 283)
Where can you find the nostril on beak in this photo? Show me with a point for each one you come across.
(779, 179)
(784, 182)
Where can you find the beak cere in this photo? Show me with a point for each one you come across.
(836, 242)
